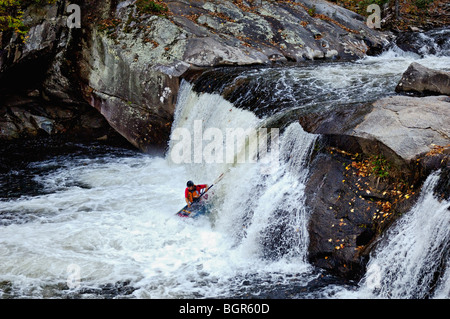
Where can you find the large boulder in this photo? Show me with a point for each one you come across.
(403, 128)
(37, 95)
(368, 170)
(29, 115)
(132, 84)
(408, 126)
(133, 61)
(46, 26)
(422, 80)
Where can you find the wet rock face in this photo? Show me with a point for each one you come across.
(350, 206)
(135, 97)
(336, 232)
(266, 31)
(421, 80)
(128, 63)
(28, 115)
(46, 31)
(132, 62)
(368, 172)
(36, 97)
(442, 189)
(433, 42)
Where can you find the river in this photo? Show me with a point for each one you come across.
(96, 221)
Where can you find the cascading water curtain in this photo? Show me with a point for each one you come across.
(410, 259)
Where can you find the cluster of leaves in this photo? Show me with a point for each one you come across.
(437, 149)
(11, 15)
(362, 175)
(380, 166)
(152, 7)
(375, 164)
(153, 42)
(423, 4)
(109, 24)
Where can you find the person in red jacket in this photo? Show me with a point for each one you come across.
(192, 192)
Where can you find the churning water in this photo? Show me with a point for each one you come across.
(103, 224)
(411, 260)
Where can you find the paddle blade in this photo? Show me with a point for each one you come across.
(218, 179)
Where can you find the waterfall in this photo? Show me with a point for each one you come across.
(266, 210)
(433, 42)
(106, 216)
(260, 201)
(412, 259)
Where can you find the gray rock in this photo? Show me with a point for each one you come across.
(347, 212)
(132, 76)
(409, 126)
(422, 80)
(8, 130)
(133, 82)
(208, 52)
(401, 127)
(42, 123)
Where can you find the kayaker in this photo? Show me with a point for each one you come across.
(192, 192)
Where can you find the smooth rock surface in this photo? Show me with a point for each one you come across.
(422, 80)
(409, 126)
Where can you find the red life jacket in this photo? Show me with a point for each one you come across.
(194, 194)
